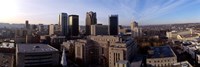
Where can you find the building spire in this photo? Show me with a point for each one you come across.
(63, 59)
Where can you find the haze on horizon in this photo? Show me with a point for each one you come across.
(143, 11)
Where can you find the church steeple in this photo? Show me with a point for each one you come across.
(63, 59)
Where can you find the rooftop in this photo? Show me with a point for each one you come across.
(161, 51)
(189, 35)
(23, 48)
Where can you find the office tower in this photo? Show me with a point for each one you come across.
(63, 22)
(73, 25)
(90, 20)
(113, 25)
(27, 24)
(51, 29)
(135, 29)
(54, 29)
(133, 25)
(36, 55)
(41, 28)
(99, 29)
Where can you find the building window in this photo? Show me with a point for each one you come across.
(102, 50)
(78, 51)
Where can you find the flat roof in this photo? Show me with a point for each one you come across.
(34, 48)
(189, 35)
(160, 52)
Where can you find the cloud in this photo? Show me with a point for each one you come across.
(144, 10)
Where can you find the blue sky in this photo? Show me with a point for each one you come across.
(145, 12)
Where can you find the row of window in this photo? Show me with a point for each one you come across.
(112, 40)
(158, 61)
(34, 55)
(163, 65)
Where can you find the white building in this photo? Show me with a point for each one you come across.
(8, 44)
(135, 29)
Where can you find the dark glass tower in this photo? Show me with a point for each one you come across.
(27, 24)
(63, 23)
(90, 20)
(73, 25)
(113, 25)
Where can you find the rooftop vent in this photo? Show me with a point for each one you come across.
(36, 46)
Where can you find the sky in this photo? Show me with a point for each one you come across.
(145, 12)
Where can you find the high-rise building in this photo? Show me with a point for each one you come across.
(51, 29)
(41, 28)
(133, 25)
(27, 24)
(113, 25)
(99, 29)
(54, 29)
(135, 29)
(63, 22)
(74, 25)
(90, 20)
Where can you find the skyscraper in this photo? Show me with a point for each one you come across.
(135, 29)
(133, 25)
(73, 25)
(90, 20)
(51, 29)
(63, 23)
(27, 24)
(113, 25)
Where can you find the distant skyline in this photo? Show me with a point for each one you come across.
(145, 12)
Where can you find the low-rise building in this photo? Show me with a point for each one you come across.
(99, 29)
(187, 37)
(28, 55)
(103, 51)
(162, 56)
